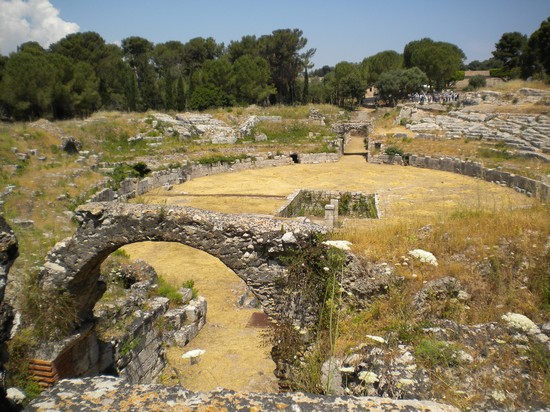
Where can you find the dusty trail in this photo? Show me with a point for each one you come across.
(235, 357)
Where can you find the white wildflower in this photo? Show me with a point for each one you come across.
(193, 354)
(347, 369)
(521, 322)
(405, 382)
(339, 244)
(498, 396)
(368, 377)
(424, 256)
(377, 338)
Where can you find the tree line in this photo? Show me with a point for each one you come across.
(81, 73)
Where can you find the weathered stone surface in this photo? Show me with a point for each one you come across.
(9, 251)
(528, 134)
(107, 393)
(362, 128)
(248, 125)
(436, 295)
(249, 245)
(364, 281)
(316, 116)
(207, 127)
(492, 352)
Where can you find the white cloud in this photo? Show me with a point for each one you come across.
(31, 20)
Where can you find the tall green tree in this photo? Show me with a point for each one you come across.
(307, 64)
(252, 79)
(180, 94)
(198, 50)
(117, 81)
(37, 83)
(247, 46)
(213, 85)
(345, 84)
(86, 47)
(106, 61)
(138, 53)
(381, 62)
(536, 59)
(438, 60)
(509, 49)
(169, 61)
(27, 85)
(281, 49)
(395, 85)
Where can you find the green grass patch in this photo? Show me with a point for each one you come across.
(433, 353)
(167, 290)
(190, 284)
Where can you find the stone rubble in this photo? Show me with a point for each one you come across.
(398, 369)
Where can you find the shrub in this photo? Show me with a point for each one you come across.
(394, 150)
(166, 290)
(500, 72)
(141, 169)
(123, 171)
(190, 284)
(458, 75)
(477, 81)
(435, 353)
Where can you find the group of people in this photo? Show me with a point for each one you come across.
(445, 96)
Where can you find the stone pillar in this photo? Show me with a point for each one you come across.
(329, 216)
(335, 201)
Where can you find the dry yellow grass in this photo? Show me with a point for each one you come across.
(515, 85)
(404, 192)
(235, 358)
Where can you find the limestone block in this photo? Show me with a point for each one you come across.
(191, 313)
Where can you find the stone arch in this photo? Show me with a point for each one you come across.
(250, 245)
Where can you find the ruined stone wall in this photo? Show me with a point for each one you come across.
(385, 159)
(138, 356)
(525, 185)
(132, 187)
(522, 184)
(198, 170)
(306, 202)
(315, 158)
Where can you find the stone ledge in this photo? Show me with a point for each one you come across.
(107, 393)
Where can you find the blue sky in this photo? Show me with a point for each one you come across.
(340, 30)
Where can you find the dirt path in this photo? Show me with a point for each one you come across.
(235, 357)
(355, 145)
(361, 114)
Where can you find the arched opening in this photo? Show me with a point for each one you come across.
(251, 246)
(235, 357)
